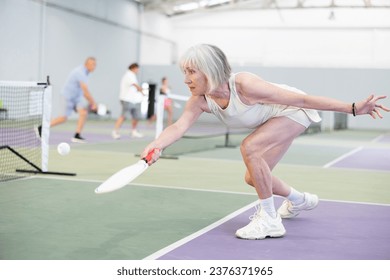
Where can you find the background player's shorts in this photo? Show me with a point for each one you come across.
(134, 109)
(73, 104)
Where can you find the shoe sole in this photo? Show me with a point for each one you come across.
(271, 235)
(74, 140)
(261, 237)
(294, 215)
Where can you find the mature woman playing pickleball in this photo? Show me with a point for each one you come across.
(277, 113)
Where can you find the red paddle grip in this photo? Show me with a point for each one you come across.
(149, 156)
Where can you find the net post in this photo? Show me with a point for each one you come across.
(45, 127)
(159, 116)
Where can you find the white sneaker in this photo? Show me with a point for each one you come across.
(115, 135)
(136, 134)
(289, 210)
(262, 226)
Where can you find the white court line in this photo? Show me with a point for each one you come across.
(187, 239)
(193, 189)
(355, 202)
(377, 139)
(343, 157)
(147, 185)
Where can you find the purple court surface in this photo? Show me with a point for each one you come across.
(384, 139)
(367, 158)
(332, 231)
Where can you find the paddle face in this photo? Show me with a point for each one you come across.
(124, 176)
(101, 110)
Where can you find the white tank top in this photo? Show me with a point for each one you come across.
(239, 115)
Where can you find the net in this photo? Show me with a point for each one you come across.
(24, 128)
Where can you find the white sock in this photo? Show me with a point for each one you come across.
(268, 206)
(296, 197)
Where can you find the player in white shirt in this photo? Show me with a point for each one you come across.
(130, 97)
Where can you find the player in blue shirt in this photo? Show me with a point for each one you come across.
(76, 93)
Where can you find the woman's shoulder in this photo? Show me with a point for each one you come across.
(242, 79)
(245, 75)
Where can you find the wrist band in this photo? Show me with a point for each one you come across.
(353, 109)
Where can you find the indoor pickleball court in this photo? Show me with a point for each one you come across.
(178, 209)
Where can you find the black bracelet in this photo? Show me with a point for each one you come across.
(353, 109)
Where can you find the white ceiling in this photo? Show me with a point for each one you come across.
(177, 7)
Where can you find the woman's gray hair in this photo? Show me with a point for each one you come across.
(211, 61)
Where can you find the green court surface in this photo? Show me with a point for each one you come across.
(60, 217)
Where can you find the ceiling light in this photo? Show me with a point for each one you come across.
(186, 7)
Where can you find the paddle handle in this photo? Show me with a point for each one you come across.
(149, 156)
